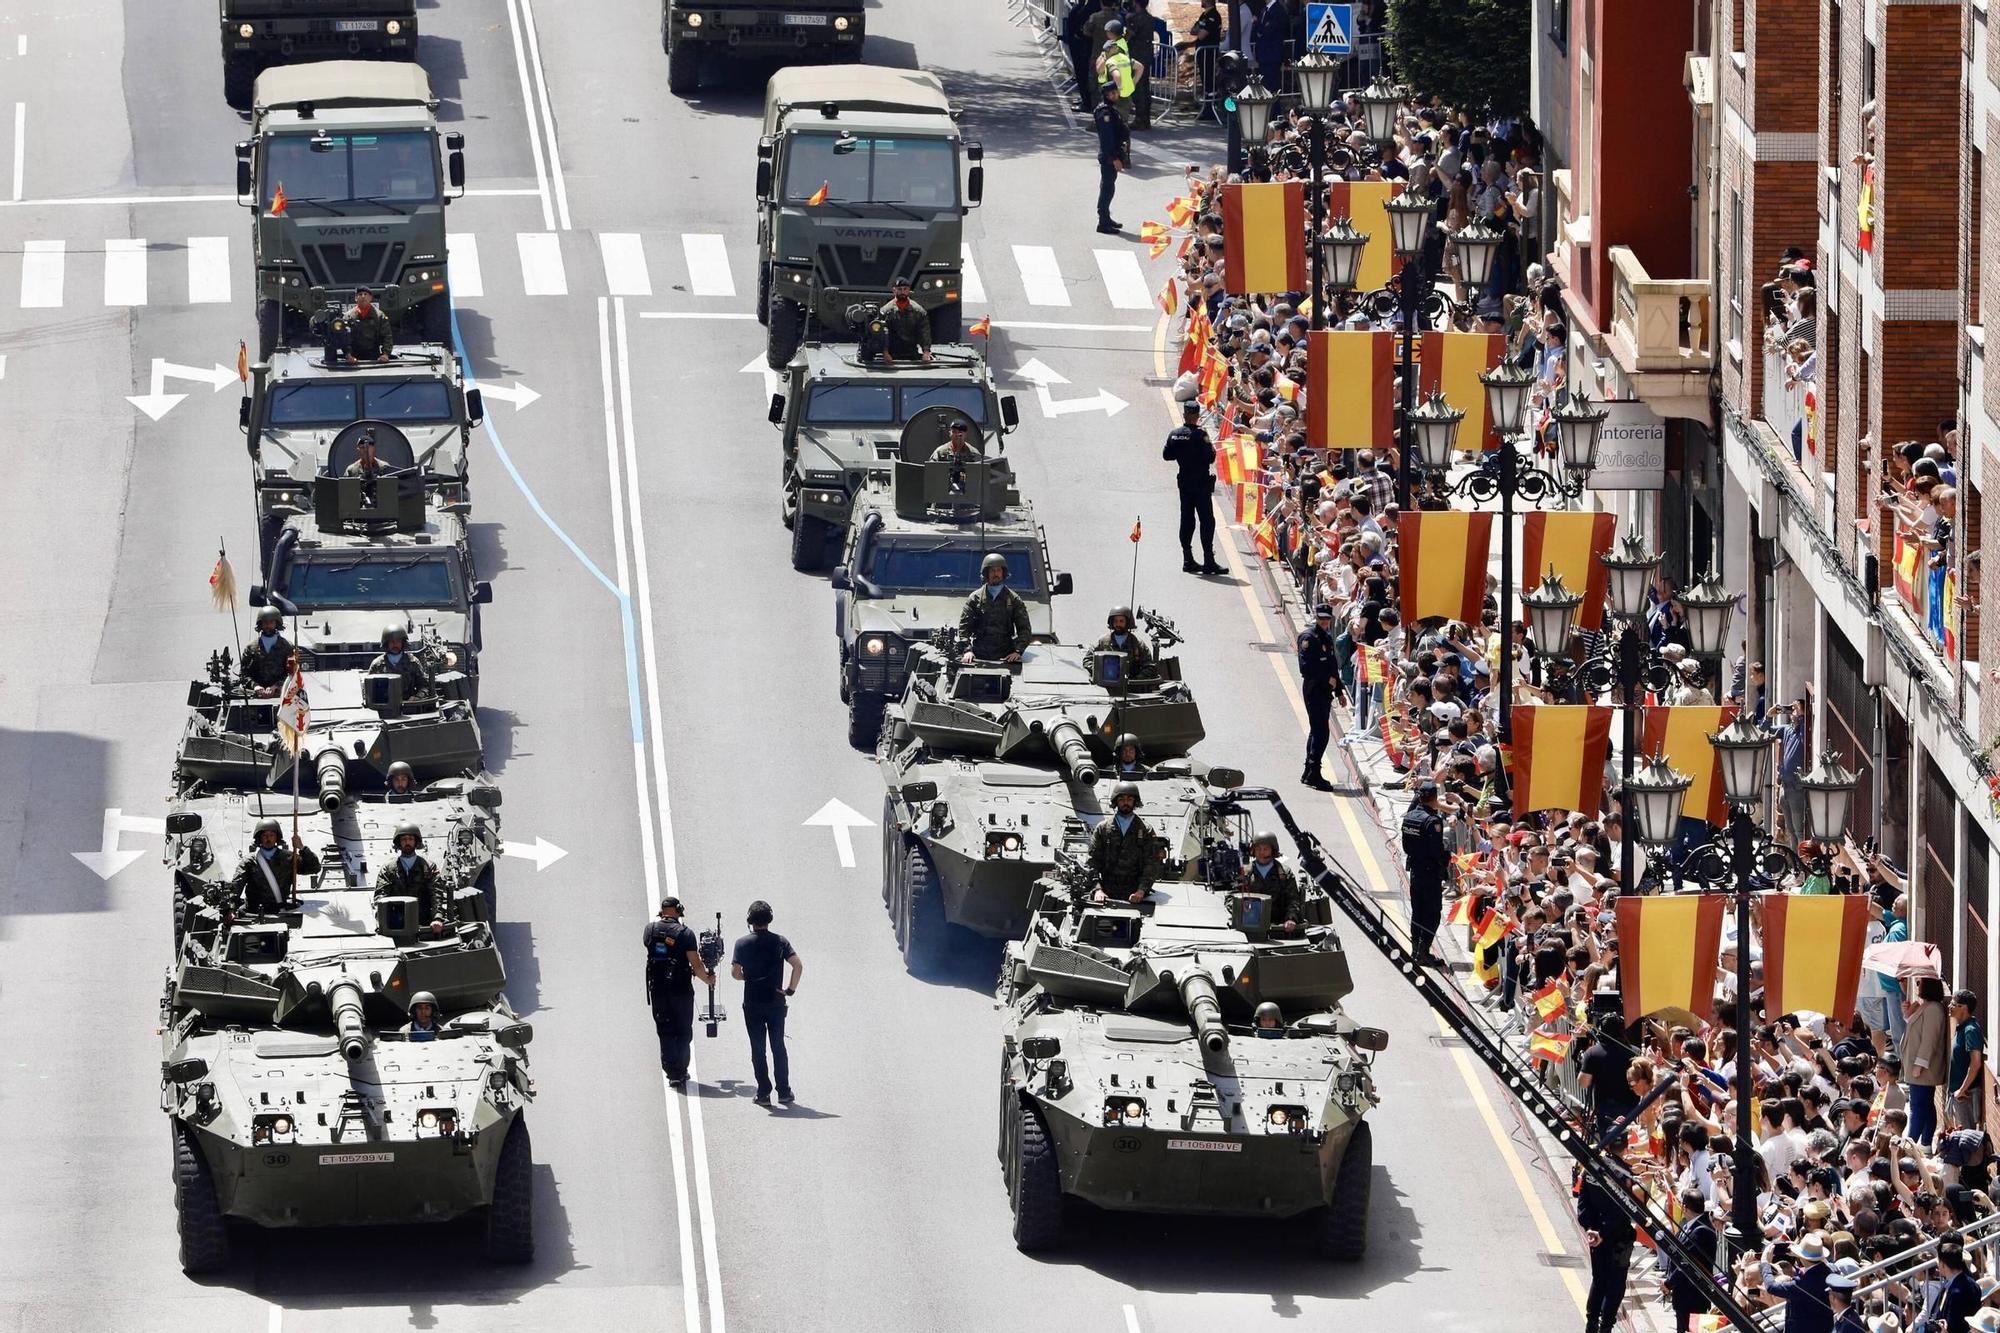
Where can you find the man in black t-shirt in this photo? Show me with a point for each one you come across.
(758, 961)
(673, 961)
(1602, 1072)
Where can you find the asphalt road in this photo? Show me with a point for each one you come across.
(660, 704)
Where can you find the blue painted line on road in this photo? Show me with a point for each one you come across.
(534, 503)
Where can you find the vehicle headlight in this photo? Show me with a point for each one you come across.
(1124, 1111)
(1011, 842)
(451, 657)
(427, 1120)
(873, 645)
(394, 27)
(840, 23)
(694, 20)
(1286, 1119)
(246, 30)
(1278, 1116)
(282, 1126)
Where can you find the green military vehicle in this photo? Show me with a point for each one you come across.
(844, 419)
(857, 184)
(257, 34)
(693, 33)
(365, 173)
(912, 559)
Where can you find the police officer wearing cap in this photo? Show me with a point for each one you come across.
(1427, 861)
(906, 324)
(1114, 151)
(1190, 449)
(267, 658)
(1319, 678)
(673, 962)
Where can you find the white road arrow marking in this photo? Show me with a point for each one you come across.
(758, 366)
(843, 819)
(1041, 376)
(520, 395)
(542, 852)
(158, 403)
(108, 860)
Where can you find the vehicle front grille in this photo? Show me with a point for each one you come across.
(849, 268)
(341, 265)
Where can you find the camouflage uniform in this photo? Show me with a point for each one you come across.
(265, 670)
(1288, 903)
(944, 453)
(995, 626)
(1138, 657)
(421, 883)
(369, 336)
(1123, 863)
(416, 678)
(253, 891)
(908, 328)
(365, 471)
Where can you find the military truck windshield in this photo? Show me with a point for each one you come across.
(858, 170)
(928, 565)
(335, 580)
(334, 404)
(323, 171)
(884, 404)
(407, 400)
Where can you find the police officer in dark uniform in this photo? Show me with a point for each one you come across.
(1190, 449)
(396, 659)
(994, 622)
(673, 961)
(370, 336)
(1427, 861)
(1139, 663)
(1318, 679)
(1114, 152)
(906, 324)
(1123, 858)
(267, 658)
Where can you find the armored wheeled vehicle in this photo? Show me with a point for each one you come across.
(992, 769)
(257, 34)
(1185, 1054)
(353, 557)
(694, 34)
(303, 411)
(347, 176)
(340, 1061)
(847, 418)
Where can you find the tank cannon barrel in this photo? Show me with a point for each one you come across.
(1073, 750)
(332, 770)
(345, 1002)
(1205, 1012)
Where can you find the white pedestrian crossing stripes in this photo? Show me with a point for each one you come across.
(695, 273)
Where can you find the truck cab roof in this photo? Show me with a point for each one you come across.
(855, 88)
(343, 85)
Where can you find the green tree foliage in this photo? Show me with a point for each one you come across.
(1472, 53)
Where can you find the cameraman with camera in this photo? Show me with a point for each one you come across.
(673, 961)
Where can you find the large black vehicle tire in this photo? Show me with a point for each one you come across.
(864, 719)
(924, 927)
(683, 68)
(1343, 1227)
(239, 82)
(947, 322)
(510, 1219)
(784, 329)
(1035, 1191)
(434, 319)
(198, 1213)
(270, 325)
(810, 539)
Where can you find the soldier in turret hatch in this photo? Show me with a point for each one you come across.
(1138, 657)
(396, 659)
(958, 447)
(1266, 874)
(370, 336)
(995, 619)
(423, 1024)
(1128, 757)
(267, 658)
(402, 781)
(409, 874)
(366, 464)
(907, 324)
(267, 881)
(1123, 858)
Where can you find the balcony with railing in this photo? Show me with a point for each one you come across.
(1659, 324)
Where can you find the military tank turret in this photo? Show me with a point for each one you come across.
(1187, 1054)
(994, 768)
(299, 1088)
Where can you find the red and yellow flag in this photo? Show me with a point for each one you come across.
(1812, 952)
(1493, 928)
(1461, 910)
(1287, 389)
(1158, 245)
(1559, 754)
(1264, 238)
(1371, 666)
(1198, 337)
(818, 196)
(1443, 554)
(1667, 949)
(1250, 502)
(1681, 736)
(1351, 402)
(1228, 461)
(1549, 1047)
(1864, 210)
(1548, 1001)
(1137, 528)
(1361, 203)
(1266, 537)
(1908, 554)
(1214, 376)
(242, 361)
(1570, 544)
(982, 327)
(1451, 363)
(1180, 211)
(1153, 233)
(1170, 297)
(278, 201)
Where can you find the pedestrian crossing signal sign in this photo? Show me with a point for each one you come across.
(1330, 29)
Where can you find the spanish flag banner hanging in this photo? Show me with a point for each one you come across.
(1360, 202)
(1812, 952)
(1444, 554)
(1680, 735)
(1667, 949)
(1451, 363)
(1570, 544)
(1559, 754)
(1351, 400)
(1264, 238)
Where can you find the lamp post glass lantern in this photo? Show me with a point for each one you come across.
(1551, 610)
(1507, 389)
(1316, 74)
(1745, 751)
(1253, 112)
(1341, 247)
(1829, 789)
(1477, 244)
(1631, 569)
(1379, 103)
(1436, 423)
(1409, 219)
(1657, 793)
(1579, 428)
(1708, 605)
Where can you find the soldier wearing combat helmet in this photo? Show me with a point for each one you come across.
(1120, 638)
(396, 659)
(267, 658)
(1267, 875)
(409, 874)
(402, 781)
(1123, 857)
(1128, 757)
(423, 1024)
(267, 881)
(995, 621)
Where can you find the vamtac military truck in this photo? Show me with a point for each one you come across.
(858, 182)
(348, 176)
(791, 31)
(257, 34)
(845, 420)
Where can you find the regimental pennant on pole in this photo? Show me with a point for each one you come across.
(1559, 756)
(1570, 544)
(1444, 554)
(1351, 401)
(1450, 364)
(1812, 952)
(1264, 238)
(1667, 949)
(294, 712)
(1680, 735)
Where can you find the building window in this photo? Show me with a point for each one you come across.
(1735, 277)
(1736, 8)
(1974, 239)
(1867, 73)
(1833, 85)
(1559, 24)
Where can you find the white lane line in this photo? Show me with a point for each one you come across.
(21, 45)
(548, 116)
(542, 264)
(970, 287)
(528, 104)
(1123, 279)
(1041, 275)
(276, 1323)
(42, 275)
(119, 200)
(20, 145)
(124, 272)
(1131, 1320)
(208, 270)
(461, 252)
(695, 314)
(490, 192)
(708, 265)
(625, 271)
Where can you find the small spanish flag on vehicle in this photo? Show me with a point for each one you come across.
(242, 361)
(1548, 1001)
(1136, 529)
(818, 196)
(982, 327)
(278, 201)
